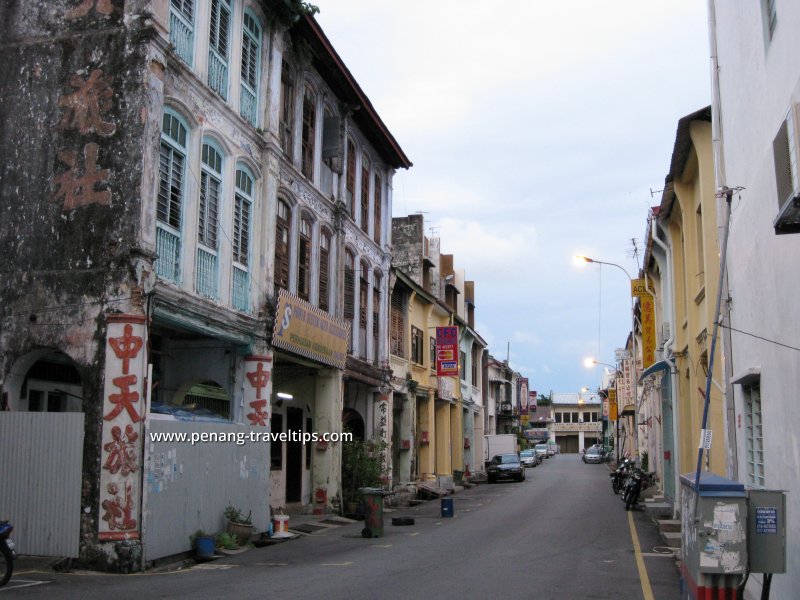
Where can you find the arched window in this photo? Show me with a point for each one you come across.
(376, 313)
(349, 285)
(363, 315)
(219, 36)
(376, 212)
(350, 178)
(286, 125)
(208, 220)
(309, 132)
(282, 237)
(304, 259)
(365, 193)
(181, 29)
(324, 269)
(171, 190)
(251, 64)
(242, 214)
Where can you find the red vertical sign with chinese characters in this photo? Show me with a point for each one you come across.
(123, 411)
(523, 396)
(447, 351)
(257, 389)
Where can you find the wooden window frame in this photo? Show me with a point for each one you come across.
(324, 269)
(365, 170)
(417, 356)
(286, 125)
(309, 132)
(283, 239)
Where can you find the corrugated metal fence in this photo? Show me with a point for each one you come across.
(187, 487)
(41, 455)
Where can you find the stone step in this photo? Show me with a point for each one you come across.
(669, 525)
(671, 538)
(658, 510)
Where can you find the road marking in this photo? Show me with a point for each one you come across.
(344, 564)
(15, 584)
(645, 580)
(381, 545)
(271, 564)
(214, 567)
(413, 534)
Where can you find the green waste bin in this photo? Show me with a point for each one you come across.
(372, 506)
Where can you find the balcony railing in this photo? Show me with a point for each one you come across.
(181, 36)
(218, 74)
(241, 290)
(248, 105)
(206, 274)
(168, 248)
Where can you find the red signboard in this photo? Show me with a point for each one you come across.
(447, 351)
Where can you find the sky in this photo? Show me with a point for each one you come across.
(538, 131)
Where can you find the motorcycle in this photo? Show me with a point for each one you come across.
(633, 488)
(7, 554)
(619, 475)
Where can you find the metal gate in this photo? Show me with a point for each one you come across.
(41, 456)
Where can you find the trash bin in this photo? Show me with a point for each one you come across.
(372, 505)
(447, 507)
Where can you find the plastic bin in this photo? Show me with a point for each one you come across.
(372, 506)
(447, 507)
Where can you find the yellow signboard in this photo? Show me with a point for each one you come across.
(648, 315)
(612, 404)
(309, 331)
(639, 288)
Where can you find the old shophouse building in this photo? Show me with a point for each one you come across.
(196, 235)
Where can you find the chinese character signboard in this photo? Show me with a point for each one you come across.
(612, 404)
(257, 386)
(447, 351)
(383, 433)
(648, 310)
(123, 411)
(523, 396)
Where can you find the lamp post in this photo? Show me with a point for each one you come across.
(633, 350)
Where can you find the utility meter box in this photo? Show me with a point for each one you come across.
(766, 531)
(714, 539)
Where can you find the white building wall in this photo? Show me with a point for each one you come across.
(759, 83)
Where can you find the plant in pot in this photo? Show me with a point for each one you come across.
(361, 467)
(239, 525)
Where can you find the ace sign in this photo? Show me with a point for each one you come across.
(447, 351)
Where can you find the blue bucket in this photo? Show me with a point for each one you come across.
(447, 507)
(204, 547)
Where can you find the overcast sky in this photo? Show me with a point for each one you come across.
(537, 132)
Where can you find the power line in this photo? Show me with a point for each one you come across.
(759, 337)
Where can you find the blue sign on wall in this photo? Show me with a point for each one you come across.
(766, 519)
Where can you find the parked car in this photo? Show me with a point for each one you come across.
(529, 458)
(541, 450)
(593, 455)
(505, 466)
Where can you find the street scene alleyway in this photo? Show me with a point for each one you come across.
(562, 532)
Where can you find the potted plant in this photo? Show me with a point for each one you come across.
(239, 525)
(361, 467)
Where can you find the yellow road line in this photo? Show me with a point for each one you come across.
(646, 591)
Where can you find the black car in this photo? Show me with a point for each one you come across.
(505, 466)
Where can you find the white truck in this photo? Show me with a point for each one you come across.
(502, 443)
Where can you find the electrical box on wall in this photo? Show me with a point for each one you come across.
(766, 531)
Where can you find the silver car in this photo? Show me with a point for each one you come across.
(593, 455)
(528, 458)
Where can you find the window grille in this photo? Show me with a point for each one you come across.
(251, 60)
(181, 29)
(218, 42)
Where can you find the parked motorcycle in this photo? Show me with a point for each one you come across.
(619, 475)
(7, 554)
(633, 488)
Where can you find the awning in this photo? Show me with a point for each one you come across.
(628, 409)
(661, 365)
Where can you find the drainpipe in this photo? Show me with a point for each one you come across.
(666, 248)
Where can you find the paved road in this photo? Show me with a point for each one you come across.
(561, 533)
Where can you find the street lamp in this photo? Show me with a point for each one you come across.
(579, 259)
